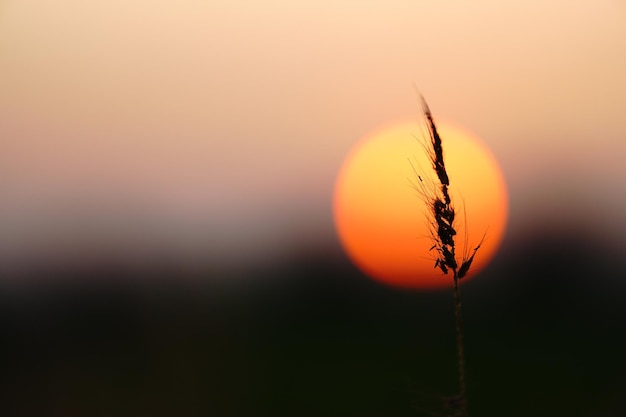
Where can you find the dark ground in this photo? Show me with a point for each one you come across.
(545, 336)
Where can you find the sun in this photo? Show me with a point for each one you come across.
(382, 221)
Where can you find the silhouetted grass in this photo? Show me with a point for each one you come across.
(442, 216)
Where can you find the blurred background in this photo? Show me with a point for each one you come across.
(166, 237)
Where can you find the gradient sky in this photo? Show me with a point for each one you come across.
(217, 128)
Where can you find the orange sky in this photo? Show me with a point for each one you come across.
(234, 117)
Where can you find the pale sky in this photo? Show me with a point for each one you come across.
(221, 125)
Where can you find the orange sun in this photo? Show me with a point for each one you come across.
(383, 222)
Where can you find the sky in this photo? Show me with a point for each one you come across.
(215, 130)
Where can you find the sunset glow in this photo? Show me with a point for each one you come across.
(383, 222)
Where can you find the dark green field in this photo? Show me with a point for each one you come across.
(545, 336)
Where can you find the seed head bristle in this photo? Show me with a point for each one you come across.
(467, 262)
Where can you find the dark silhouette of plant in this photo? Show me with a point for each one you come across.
(441, 216)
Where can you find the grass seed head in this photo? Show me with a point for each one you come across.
(442, 213)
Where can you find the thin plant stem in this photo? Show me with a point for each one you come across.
(460, 349)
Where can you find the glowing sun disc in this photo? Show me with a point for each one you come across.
(382, 221)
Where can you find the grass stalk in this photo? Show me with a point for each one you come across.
(460, 347)
(442, 220)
